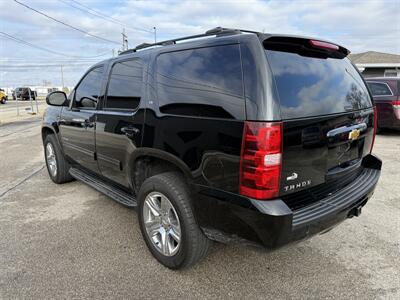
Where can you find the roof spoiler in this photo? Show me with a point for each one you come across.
(305, 46)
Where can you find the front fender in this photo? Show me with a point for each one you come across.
(50, 122)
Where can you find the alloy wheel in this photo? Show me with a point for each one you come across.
(51, 159)
(162, 223)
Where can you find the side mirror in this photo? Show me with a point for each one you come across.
(88, 102)
(57, 98)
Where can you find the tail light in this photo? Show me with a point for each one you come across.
(375, 127)
(261, 160)
(324, 45)
(396, 107)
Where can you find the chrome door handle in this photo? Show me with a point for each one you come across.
(87, 123)
(83, 122)
(130, 131)
(76, 120)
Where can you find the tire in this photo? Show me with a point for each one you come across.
(61, 174)
(193, 244)
(3, 101)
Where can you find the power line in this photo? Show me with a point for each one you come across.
(46, 59)
(98, 14)
(15, 39)
(101, 14)
(16, 62)
(37, 65)
(65, 24)
(10, 37)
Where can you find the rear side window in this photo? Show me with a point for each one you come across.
(379, 89)
(204, 82)
(125, 85)
(310, 86)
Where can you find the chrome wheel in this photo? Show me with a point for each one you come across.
(51, 159)
(162, 223)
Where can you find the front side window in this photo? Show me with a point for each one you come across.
(87, 92)
(125, 85)
(379, 89)
(203, 82)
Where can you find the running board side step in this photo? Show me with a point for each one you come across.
(110, 191)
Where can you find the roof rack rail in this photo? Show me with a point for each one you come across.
(142, 45)
(217, 31)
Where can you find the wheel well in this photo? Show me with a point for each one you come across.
(148, 166)
(45, 132)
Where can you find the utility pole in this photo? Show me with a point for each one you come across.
(124, 40)
(62, 77)
(155, 34)
(16, 100)
(30, 100)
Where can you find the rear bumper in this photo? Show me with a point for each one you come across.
(272, 224)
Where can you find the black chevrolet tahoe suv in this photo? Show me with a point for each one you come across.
(232, 135)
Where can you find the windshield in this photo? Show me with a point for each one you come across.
(309, 86)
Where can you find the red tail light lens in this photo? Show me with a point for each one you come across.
(396, 107)
(324, 45)
(261, 159)
(375, 127)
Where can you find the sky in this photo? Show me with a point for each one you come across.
(359, 25)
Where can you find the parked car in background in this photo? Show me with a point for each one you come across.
(23, 93)
(222, 138)
(386, 94)
(3, 97)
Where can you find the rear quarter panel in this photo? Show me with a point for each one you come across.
(209, 148)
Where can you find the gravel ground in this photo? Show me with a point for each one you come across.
(69, 241)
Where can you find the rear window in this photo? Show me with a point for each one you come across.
(379, 89)
(309, 86)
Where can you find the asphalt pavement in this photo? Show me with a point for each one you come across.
(69, 241)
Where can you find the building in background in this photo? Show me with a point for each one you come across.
(377, 64)
(42, 91)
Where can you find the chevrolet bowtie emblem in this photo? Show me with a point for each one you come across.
(354, 134)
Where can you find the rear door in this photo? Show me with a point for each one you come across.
(327, 116)
(119, 125)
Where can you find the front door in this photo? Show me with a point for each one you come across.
(119, 125)
(77, 122)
